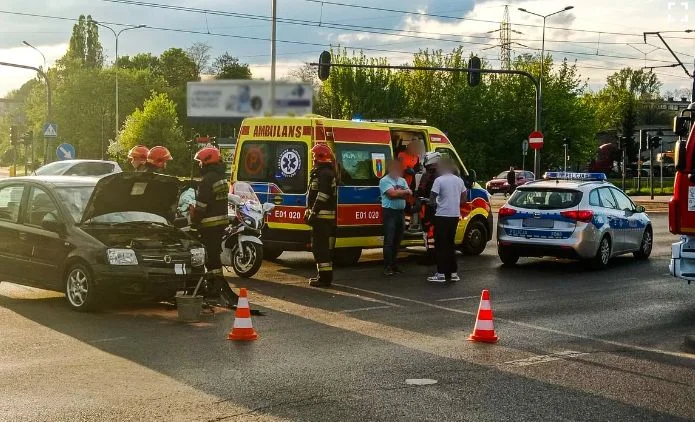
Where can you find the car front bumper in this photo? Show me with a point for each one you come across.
(142, 281)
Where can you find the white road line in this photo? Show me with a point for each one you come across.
(451, 299)
(104, 340)
(369, 308)
(531, 326)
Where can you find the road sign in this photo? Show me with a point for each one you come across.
(50, 130)
(524, 147)
(535, 140)
(65, 152)
(243, 98)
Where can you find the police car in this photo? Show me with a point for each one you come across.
(572, 215)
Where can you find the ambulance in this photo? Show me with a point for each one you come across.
(273, 154)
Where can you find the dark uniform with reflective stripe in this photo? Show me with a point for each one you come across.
(211, 219)
(322, 202)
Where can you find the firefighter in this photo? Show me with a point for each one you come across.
(157, 159)
(138, 157)
(210, 217)
(320, 213)
(427, 210)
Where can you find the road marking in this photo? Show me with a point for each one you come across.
(420, 381)
(369, 308)
(531, 326)
(451, 299)
(535, 360)
(104, 340)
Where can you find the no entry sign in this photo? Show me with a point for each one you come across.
(535, 140)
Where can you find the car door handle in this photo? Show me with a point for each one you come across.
(22, 236)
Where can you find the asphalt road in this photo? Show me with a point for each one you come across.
(574, 345)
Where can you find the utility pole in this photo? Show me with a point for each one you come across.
(273, 52)
(536, 157)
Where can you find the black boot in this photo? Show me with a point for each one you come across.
(324, 279)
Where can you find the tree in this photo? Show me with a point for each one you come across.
(84, 48)
(142, 61)
(156, 123)
(176, 67)
(227, 66)
(199, 53)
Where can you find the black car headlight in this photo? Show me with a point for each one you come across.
(197, 257)
(121, 257)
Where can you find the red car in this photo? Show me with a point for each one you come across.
(499, 183)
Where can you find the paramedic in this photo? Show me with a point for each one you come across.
(321, 212)
(394, 192)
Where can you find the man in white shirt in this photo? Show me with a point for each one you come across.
(447, 192)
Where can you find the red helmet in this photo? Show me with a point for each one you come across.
(158, 156)
(208, 155)
(322, 154)
(138, 154)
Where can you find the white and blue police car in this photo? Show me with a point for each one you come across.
(572, 215)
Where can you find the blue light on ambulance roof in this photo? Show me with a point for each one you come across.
(560, 175)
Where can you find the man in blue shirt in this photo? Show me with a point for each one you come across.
(394, 191)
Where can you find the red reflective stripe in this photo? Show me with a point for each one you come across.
(485, 314)
(344, 134)
(244, 130)
(439, 139)
(359, 215)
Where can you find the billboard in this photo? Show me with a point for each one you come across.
(246, 98)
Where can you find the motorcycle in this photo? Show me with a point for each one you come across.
(242, 248)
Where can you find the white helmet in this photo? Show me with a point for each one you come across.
(432, 158)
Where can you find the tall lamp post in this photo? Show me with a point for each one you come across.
(39, 51)
(540, 77)
(115, 62)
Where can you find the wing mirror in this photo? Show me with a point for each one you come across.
(680, 125)
(640, 209)
(51, 223)
(267, 207)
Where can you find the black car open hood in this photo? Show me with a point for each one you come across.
(145, 192)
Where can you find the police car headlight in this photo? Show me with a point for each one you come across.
(121, 257)
(197, 257)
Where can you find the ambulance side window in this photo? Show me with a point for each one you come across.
(361, 164)
(446, 152)
(281, 163)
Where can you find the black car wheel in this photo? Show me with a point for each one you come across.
(603, 254)
(475, 239)
(645, 247)
(80, 290)
(507, 257)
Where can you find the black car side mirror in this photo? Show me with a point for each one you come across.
(51, 223)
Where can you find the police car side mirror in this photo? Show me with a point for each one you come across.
(640, 209)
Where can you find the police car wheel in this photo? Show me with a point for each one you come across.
(507, 257)
(645, 247)
(603, 254)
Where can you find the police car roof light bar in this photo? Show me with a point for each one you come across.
(560, 175)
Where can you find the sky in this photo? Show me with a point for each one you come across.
(601, 36)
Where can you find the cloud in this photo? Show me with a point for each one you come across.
(13, 78)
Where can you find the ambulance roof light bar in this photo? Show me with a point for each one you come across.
(401, 120)
(559, 175)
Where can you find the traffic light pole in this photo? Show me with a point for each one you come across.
(532, 78)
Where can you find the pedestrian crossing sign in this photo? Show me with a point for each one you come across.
(50, 130)
(378, 164)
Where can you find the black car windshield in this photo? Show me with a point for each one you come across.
(545, 199)
(55, 168)
(76, 198)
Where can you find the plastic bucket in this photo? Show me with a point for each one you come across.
(189, 307)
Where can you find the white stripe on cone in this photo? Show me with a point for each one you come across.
(242, 323)
(243, 303)
(484, 324)
(485, 305)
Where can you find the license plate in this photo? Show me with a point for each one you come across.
(537, 223)
(537, 234)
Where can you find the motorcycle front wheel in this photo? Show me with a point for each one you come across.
(247, 260)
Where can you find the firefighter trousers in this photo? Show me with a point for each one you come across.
(212, 240)
(322, 243)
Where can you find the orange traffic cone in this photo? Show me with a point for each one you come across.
(484, 330)
(243, 328)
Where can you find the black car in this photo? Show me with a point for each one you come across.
(95, 238)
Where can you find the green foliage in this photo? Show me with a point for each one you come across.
(176, 67)
(227, 66)
(142, 61)
(84, 49)
(157, 123)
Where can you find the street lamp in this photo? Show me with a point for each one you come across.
(540, 78)
(39, 51)
(115, 62)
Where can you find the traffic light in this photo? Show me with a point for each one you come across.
(474, 71)
(568, 142)
(324, 65)
(28, 137)
(654, 142)
(14, 135)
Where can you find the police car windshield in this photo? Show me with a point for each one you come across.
(545, 198)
